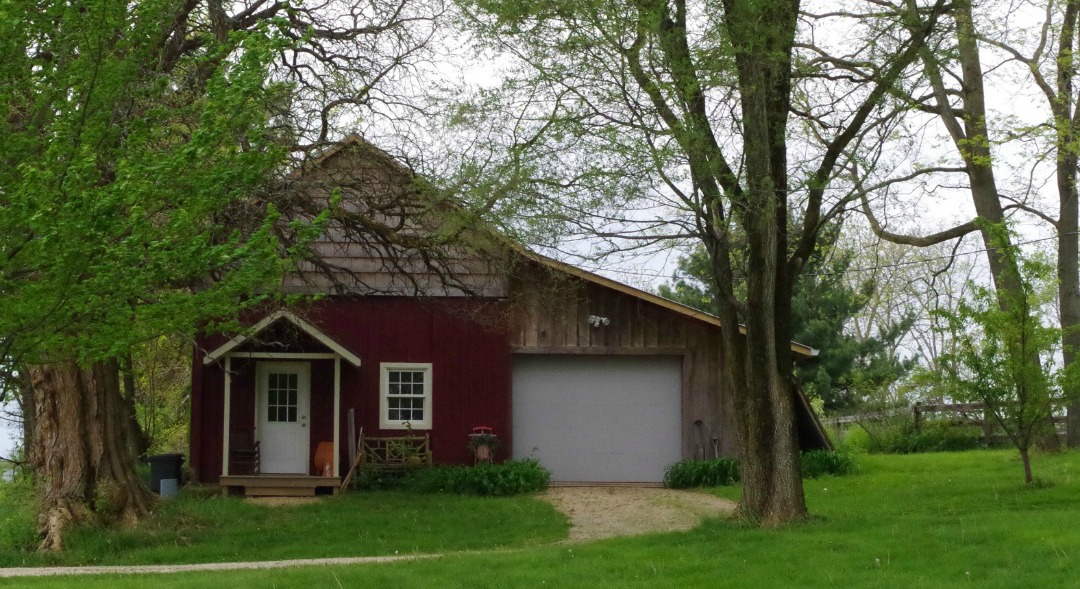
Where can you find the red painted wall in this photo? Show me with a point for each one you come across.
(465, 340)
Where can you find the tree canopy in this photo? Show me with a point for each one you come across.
(849, 367)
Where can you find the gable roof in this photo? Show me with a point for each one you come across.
(358, 141)
(224, 349)
(658, 300)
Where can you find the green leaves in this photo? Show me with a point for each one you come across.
(126, 190)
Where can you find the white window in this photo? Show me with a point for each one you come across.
(405, 396)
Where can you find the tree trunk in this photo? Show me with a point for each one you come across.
(771, 477)
(80, 452)
(1025, 457)
(1068, 251)
(975, 149)
(138, 441)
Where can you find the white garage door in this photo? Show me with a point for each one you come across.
(598, 418)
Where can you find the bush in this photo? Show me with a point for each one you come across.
(374, 480)
(18, 531)
(818, 463)
(686, 474)
(851, 439)
(938, 435)
(513, 477)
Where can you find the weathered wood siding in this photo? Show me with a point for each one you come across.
(365, 247)
(551, 314)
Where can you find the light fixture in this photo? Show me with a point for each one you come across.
(597, 321)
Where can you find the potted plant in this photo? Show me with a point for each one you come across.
(483, 443)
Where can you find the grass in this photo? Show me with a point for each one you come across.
(217, 529)
(914, 521)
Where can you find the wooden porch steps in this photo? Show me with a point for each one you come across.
(278, 485)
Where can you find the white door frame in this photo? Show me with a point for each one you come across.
(301, 434)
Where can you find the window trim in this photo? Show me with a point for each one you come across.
(384, 395)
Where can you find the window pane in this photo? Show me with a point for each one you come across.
(395, 389)
(394, 415)
(292, 381)
(292, 398)
(292, 414)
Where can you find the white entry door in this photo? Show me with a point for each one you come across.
(283, 403)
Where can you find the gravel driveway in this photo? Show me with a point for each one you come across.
(605, 512)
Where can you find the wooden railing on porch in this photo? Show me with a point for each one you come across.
(243, 453)
(390, 454)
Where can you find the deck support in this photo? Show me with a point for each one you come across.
(225, 421)
(337, 415)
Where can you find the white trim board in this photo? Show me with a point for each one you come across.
(226, 348)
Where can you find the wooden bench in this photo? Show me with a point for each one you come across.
(397, 454)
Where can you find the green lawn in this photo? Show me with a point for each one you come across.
(918, 521)
(216, 529)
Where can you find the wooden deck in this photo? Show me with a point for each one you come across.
(279, 485)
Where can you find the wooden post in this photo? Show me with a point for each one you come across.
(226, 417)
(337, 415)
(917, 413)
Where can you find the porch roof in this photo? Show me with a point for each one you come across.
(228, 347)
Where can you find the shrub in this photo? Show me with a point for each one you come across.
(937, 435)
(375, 480)
(852, 439)
(513, 477)
(17, 520)
(818, 463)
(686, 474)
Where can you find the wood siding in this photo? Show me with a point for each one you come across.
(363, 249)
(551, 316)
(465, 340)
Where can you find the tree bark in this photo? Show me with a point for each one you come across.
(1068, 250)
(80, 451)
(138, 441)
(1004, 267)
(771, 477)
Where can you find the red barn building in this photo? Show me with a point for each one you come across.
(599, 381)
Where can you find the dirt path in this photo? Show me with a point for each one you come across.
(594, 512)
(606, 512)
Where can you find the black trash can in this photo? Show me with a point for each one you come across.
(164, 466)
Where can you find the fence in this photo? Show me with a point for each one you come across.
(964, 413)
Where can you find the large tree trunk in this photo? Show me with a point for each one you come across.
(771, 477)
(1068, 251)
(80, 452)
(971, 135)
